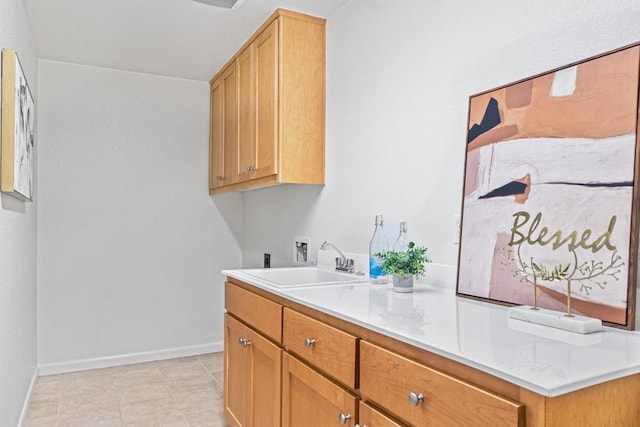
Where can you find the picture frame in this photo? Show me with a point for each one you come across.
(550, 197)
(17, 123)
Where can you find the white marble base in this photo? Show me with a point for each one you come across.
(556, 319)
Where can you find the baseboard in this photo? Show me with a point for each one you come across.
(128, 359)
(27, 399)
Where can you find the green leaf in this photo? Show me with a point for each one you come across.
(412, 261)
(538, 268)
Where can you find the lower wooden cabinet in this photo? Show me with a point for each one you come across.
(305, 368)
(310, 399)
(252, 377)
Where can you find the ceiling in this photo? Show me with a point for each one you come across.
(178, 38)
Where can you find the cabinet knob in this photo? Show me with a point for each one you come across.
(245, 342)
(416, 399)
(309, 342)
(251, 168)
(344, 418)
(219, 178)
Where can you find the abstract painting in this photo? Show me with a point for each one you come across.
(550, 194)
(17, 129)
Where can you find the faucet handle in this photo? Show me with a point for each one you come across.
(345, 264)
(349, 266)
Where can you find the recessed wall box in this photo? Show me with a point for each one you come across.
(301, 251)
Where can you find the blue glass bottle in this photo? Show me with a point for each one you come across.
(378, 245)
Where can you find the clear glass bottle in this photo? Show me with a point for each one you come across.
(402, 242)
(378, 245)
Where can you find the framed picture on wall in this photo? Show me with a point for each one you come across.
(17, 129)
(550, 190)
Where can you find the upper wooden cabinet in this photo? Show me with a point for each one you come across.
(267, 121)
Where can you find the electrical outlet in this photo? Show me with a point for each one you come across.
(267, 260)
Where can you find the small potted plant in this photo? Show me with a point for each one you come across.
(405, 265)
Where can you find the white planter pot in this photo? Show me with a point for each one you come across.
(403, 283)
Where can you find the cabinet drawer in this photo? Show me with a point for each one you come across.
(325, 347)
(390, 379)
(370, 417)
(259, 312)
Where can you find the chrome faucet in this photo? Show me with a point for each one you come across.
(342, 262)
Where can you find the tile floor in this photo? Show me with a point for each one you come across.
(176, 392)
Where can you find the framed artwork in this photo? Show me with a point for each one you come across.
(550, 190)
(17, 129)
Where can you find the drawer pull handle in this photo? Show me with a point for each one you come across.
(245, 342)
(344, 418)
(416, 399)
(309, 342)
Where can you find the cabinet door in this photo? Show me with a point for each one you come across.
(230, 124)
(245, 69)
(216, 146)
(253, 375)
(266, 63)
(369, 417)
(223, 130)
(236, 374)
(310, 399)
(257, 74)
(266, 381)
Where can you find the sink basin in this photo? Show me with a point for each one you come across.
(289, 277)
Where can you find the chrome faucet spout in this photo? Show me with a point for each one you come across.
(326, 244)
(342, 262)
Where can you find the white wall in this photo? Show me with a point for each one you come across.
(130, 245)
(399, 76)
(17, 248)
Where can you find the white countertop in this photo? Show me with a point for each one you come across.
(547, 361)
